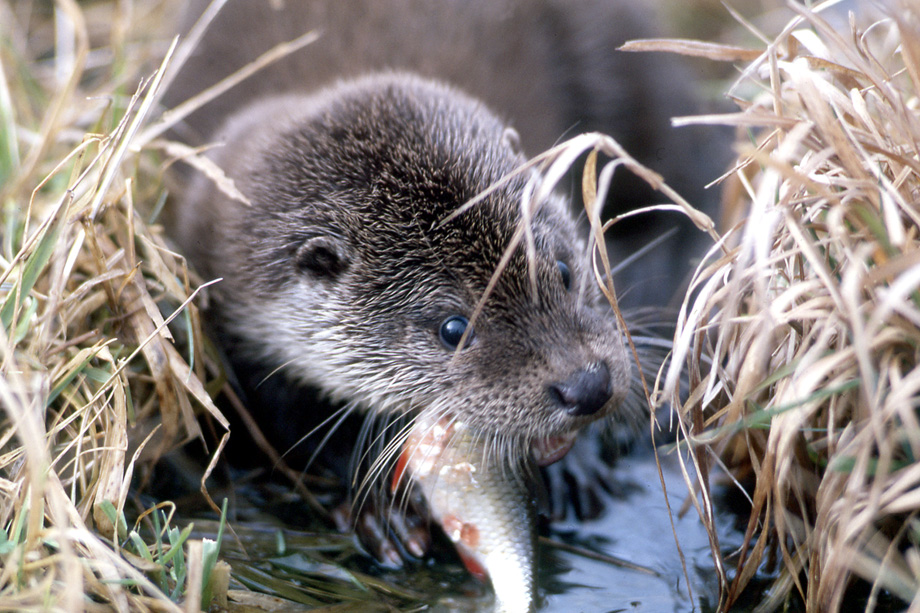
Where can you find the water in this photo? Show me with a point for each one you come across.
(635, 527)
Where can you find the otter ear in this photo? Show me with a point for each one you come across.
(323, 256)
(512, 139)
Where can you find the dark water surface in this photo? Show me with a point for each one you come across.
(635, 527)
(311, 567)
(316, 568)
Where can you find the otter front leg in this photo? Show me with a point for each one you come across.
(328, 439)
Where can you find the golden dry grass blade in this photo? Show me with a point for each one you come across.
(694, 48)
(176, 114)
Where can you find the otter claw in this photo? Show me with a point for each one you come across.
(410, 531)
(375, 536)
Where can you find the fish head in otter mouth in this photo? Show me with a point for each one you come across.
(386, 291)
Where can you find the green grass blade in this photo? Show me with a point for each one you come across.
(33, 268)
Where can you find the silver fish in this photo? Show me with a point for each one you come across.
(481, 503)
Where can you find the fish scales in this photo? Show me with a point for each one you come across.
(483, 506)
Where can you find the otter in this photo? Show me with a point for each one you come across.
(348, 271)
(355, 281)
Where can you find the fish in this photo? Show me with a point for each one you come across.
(482, 504)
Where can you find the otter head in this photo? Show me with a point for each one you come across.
(352, 269)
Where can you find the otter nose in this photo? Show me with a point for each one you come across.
(585, 392)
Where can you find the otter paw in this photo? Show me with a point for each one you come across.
(393, 532)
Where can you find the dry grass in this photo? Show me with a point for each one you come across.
(90, 380)
(803, 338)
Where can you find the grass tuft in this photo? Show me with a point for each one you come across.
(802, 336)
(91, 385)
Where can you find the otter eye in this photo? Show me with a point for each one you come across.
(566, 274)
(452, 330)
